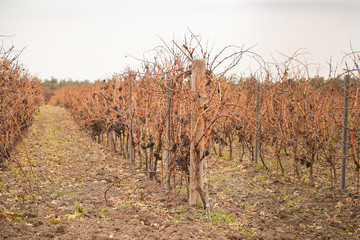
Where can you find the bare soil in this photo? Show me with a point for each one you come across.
(62, 196)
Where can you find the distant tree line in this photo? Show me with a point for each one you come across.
(233, 79)
(49, 85)
(318, 82)
(54, 83)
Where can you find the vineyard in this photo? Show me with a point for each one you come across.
(184, 131)
(20, 97)
(145, 115)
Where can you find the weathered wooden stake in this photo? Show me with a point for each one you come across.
(197, 129)
(169, 137)
(257, 124)
(344, 138)
(130, 143)
(111, 139)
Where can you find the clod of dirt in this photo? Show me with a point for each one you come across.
(60, 229)
(283, 214)
(38, 223)
(147, 217)
(30, 215)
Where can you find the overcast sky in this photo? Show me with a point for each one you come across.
(92, 39)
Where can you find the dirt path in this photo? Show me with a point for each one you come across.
(69, 168)
(73, 173)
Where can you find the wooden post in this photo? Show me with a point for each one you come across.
(197, 129)
(344, 138)
(257, 122)
(169, 137)
(130, 142)
(111, 140)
